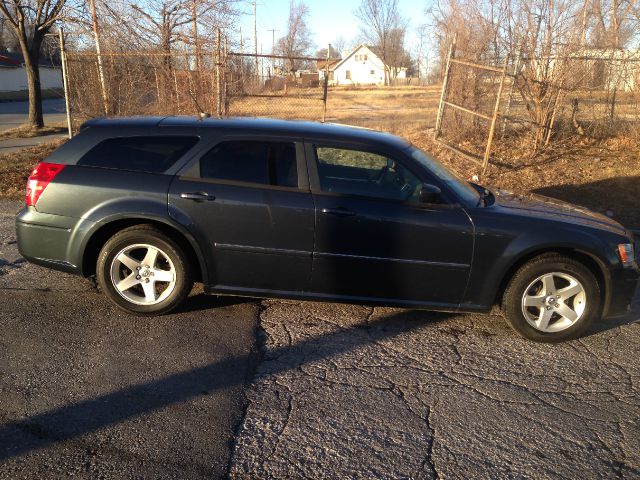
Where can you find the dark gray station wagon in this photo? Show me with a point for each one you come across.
(271, 208)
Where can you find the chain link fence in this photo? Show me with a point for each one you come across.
(485, 107)
(218, 83)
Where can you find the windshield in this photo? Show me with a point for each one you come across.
(461, 187)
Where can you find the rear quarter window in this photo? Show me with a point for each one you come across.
(152, 154)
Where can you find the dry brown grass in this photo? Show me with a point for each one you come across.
(392, 109)
(602, 175)
(383, 108)
(26, 131)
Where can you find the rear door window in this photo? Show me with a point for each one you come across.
(267, 163)
(153, 154)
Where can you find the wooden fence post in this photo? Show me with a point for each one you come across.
(225, 92)
(218, 86)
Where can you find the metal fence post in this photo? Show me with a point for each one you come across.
(326, 85)
(492, 128)
(445, 87)
(65, 81)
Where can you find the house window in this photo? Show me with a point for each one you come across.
(365, 58)
(372, 72)
(347, 74)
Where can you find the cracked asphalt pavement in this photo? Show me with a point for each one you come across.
(88, 391)
(347, 391)
(341, 391)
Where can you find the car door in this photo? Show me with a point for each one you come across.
(248, 200)
(375, 239)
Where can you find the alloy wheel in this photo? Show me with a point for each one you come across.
(143, 274)
(553, 302)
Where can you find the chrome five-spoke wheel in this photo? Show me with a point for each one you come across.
(553, 302)
(143, 274)
(144, 271)
(552, 298)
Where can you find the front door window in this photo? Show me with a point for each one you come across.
(366, 174)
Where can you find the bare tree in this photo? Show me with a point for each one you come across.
(333, 53)
(610, 23)
(340, 44)
(380, 24)
(296, 42)
(30, 21)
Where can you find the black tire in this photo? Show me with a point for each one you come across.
(512, 301)
(149, 235)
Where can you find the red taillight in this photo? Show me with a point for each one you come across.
(39, 179)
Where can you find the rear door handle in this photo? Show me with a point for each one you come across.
(340, 212)
(197, 196)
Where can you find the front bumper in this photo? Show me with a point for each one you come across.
(623, 287)
(624, 284)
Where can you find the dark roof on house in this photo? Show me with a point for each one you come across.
(322, 64)
(15, 60)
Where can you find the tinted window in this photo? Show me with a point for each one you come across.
(269, 163)
(141, 154)
(364, 173)
(458, 185)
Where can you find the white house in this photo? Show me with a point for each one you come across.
(361, 66)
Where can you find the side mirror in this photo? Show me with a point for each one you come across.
(430, 193)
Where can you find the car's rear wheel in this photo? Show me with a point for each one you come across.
(552, 298)
(144, 271)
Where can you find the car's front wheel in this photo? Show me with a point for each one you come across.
(552, 298)
(144, 271)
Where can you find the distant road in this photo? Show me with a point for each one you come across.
(14, 114)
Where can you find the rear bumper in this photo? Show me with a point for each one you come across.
(44, 239)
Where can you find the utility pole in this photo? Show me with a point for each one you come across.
(241, 59)
(273, 48)
(255, 36)
(96, 36)
(273, 38)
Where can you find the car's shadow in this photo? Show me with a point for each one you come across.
(617, 194)
(202, 301)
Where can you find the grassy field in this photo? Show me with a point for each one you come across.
(602, 174)
(25, 131)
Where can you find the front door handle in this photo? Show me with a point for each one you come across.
(197, 196)
(339, 212)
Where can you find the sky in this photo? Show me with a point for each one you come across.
(328, 19)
